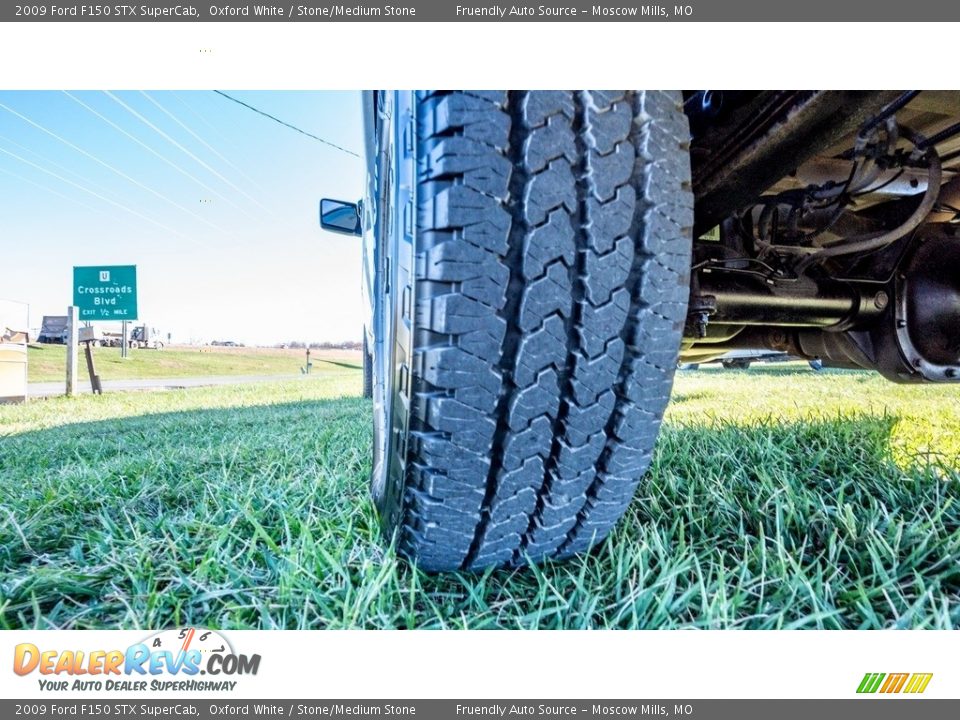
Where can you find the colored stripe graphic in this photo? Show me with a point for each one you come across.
(870, 682)
(918, 682)
(893, 683)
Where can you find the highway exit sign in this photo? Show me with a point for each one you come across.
(106, 292)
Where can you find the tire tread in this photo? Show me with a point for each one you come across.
(553, 251)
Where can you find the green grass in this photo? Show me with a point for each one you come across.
(778, 498)
(47, 363)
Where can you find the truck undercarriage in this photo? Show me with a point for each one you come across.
(825, 227)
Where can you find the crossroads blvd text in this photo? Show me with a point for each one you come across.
(585, 11)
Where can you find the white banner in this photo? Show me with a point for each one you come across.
(473, 664)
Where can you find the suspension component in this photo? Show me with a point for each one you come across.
(926, 318)
(739, 299)
(908, 329)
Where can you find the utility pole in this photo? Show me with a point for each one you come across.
(72, 343)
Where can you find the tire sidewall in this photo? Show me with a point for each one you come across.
(394, 237)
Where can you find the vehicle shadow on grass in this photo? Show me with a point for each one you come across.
(260, 517)
(816, 524)
(812, 524)
(339, 363)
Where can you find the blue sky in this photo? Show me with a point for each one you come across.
(216, 205)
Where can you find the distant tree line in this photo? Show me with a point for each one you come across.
(302, 345)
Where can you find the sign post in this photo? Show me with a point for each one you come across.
(88, 338)
(92, 370)
(73, 331)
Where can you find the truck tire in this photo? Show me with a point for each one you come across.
(539, 291)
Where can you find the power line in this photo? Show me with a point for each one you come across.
(219, 133)
(49, 189)
(286, 124)
(91, 192)
(110, 167)
(183, 149)
(152, 151)
(21, 178)
(199, 139)
(77, 176)
(86, 185)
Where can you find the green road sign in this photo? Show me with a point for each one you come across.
(106, 292)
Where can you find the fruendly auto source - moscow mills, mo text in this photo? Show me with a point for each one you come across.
(497, 12)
